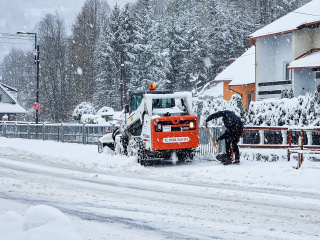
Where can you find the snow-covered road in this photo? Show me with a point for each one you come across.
(147, 204)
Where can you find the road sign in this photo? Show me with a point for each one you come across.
(37, 106)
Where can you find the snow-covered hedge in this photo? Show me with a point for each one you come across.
(207, 107)
(83, 108)
(303, 110)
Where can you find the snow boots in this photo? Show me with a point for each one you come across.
(228, 162)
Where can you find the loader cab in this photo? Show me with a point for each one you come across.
(135, 98)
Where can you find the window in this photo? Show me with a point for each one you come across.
(135, 102)
(163, 103)
(250, 98)
(288, 72)
(317, 76)
(0, 97)
(136, 128)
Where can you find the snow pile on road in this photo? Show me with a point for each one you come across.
(38, 223)
(67, 154)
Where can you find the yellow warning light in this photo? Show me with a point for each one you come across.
(192, 125)
(152, 87)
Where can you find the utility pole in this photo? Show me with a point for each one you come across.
(37, 105)
(123, 93)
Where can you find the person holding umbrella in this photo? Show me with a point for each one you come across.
(234, 129)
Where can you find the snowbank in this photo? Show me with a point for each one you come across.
(38, 223)
(277, 175)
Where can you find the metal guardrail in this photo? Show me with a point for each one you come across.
(90, 133)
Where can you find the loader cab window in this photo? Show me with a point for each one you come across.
(163, 103)
(136, 128)
(135, 102)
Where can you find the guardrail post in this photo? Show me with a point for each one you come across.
(309, 136)
(284, 137)
(261, 133)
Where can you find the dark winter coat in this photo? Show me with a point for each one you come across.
(231, 121)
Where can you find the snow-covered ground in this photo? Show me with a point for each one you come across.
(53, 190)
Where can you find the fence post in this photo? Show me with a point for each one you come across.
(15, 129)
(4, 131)
(84, 134)
(28, 131)
(261, 133)
(43, 132)
(62, 133)
(309, 136)
(284, 137)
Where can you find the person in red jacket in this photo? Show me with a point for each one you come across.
(234, 129)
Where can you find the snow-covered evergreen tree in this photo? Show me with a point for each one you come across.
(149, 58)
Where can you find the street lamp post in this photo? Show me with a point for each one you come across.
(123, 82)
(37, 62)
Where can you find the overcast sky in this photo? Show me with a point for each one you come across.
(22, 15)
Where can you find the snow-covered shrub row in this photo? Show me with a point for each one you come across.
(303, 110)
(207, 107)
(92, 119)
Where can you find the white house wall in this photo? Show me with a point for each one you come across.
(305, 40)
(304, 81)
(272, 54)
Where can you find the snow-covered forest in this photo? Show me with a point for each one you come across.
(177, 44)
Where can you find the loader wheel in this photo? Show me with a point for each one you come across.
(136, 148)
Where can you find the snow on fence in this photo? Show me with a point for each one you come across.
(74, 133)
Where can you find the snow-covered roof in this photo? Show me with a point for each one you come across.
(307, 14)
(11, 108)
(241, 71)
(310, 61)
(215, 91)
(9, 88)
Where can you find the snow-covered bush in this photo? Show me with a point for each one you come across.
(303, 110)
(83, 108)
(105, 110)
(287, 93)
(92, 119)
